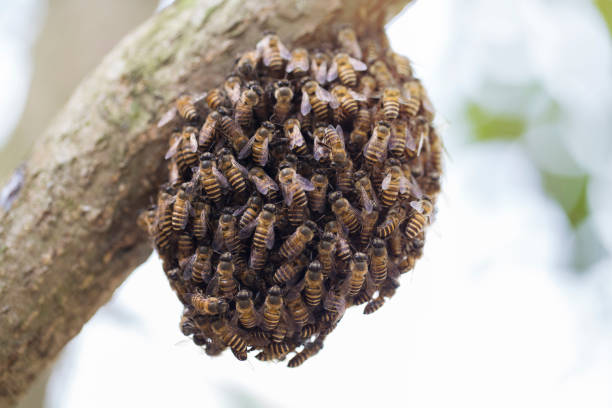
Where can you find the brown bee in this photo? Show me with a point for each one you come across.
(163, 222)
(335, 303)
(310, 349)
(283, 95)
(235, 173)
(288, 271)
(216, 98)
(391, 100)
(249, 211)
(326, 252)
(181, 210)
(396, 243)
(279, 333)
(298, 64)
(208, 305)
(368, 224)
(185, 246)
(345, 67)
(347, 99)
(226, 282)
(394, 218)
(187, 326)
(321, 151)
(264, 228)
(275, 351)
(264, 183)
(402, 65)
(272, 308)
(367, 86)
(419, 218)
(315, 98)
(273, 52)
(343, 250)
(399, 138)
(199, 223)
(413, 91)
(296, 243)
(381, 73)
(393, 183)
(313, 284)
(372, 51)
(378, 261)
(361, 128)
(226, 235)
(232, 86)
(317, 196)
(258, 338)
(344, 176)
(184, 146)
(318, 67)
(387, 291)
(232, 131)
(208, 131)
(348, 41)
(293, 133)
(247, 64)
(246, 309)
(346, 214)
(258, 145)
(211, 179)
(186, 108)
(297, 308)
(230, 338)
(367, 195)
(358, 270)
(294, 187)
(244, 108)
(334, 140)
(375, 151)
(201, 267)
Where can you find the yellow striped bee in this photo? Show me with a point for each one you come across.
(186, 108)
(201, 265)
(334, 139)
(245, 309)
(249, 211)
(378, 261)
(310, 349)
(296, 243)
(184, 146)
(216, 98)
(391, 101)
(208, 305)
(347, 215)
(368, 224)
(227, 284)
(381, 73)
(258, 145)
(294, 187)
(272, 52)
(367, 195)
(264, 183)
(232, 86)
(283, 95)
(367, 86)
(226, 235)
(247, 64)
(318, 67)
(289, 270)
(230, 338)
(231, 130)
(345, 67)
(181, 211)
(315, 98)
(211, 179)
(313, 284)
(263, 226)
(402, 65)
(235, 173)
(208, 131)
(244, 108)
(298, 64)
(394, 182)
(394, 218)
(317, 196)
(412, 95)
(423, 209)
(347, 99)
(272, 308)
(300, 314)
(293, 133)
(348, 41)
(375, 150)
(326, 252)
(386, 291)
(358, 270)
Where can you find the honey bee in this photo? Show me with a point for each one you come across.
(367, 195)
(343, 250)
(294, 187)
(381, 73)
(298, 64)
(273, 52)
(211, 179)
(258, 145)
(371, 51)
(335, 303)
(346, 214)
(181, 210)
(232, 86)
(227, 284)
(264, 228)
(402, 65)
(297, 308)
(326, 252)
(310, 349)
(375, 150)
(247, 64)
(208, 305)
(399, 138)
(358, 267)
(393, 183)
(244, 108)
(318, 67)
(334, 139)
(185, 246)
(186, 108)
(235, 173)
(313, 284)
(344, 175)
(283, 95)
(249, 211)
(264, 183)
(361, 128)
(394, 218)
(391, 100)
(348, 41)
(345, 67)
(230, 338)
(275, 351)
(184, 146)
(201, 266)
(258, 338)
(272, 308)
(316, 98)
(288, 271)
(387, 291)
(368, 224)
(187, 326)
(216, 98)
(367, 86)
(347, 99)
(296, 243)
(163, 222)
(246, 309)
(378, 261)
(321, 151)
(412, 95)
(226, 236)
(396, 243)
(317, 196)
(279, 333)
(417, 221)
(293, 133)
(208, 131)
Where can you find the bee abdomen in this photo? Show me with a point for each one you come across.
(374, 305)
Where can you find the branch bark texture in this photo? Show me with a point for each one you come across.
(70, 236)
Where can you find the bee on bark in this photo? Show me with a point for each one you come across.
(375, 150)
(315, 98)
(186, 108)
(298, 64)
(345, 67)
(232, 86)
(419, 218)
(232, 131)
(230, 338)
(272, 308)
(348, 41)
(208, 305)
(394, 218)
(317, 196)
(201, 267)
(313, 284)
(216, 98)
(244, 108)
(264, 183)
(346, 214)
(318, 67)
(293, 134)
(235, 173)
(258, 145)
(273, 52)
(249, 211)
(246, 309)
(296, 243)
(378, 261)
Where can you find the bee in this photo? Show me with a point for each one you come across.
(208, 305)
(264, 228)
(294, 187)
(275, 351)
(326, 252)
(163, 222)
(249, 211)
(272, 308)
(258, 145)
(264, 183)
(230, 338)
(371, 51)
(232, 86)
(244, 108)
(313, 284)
(335, 303)
(283, 95)
(381, 73)
(211, 179)
(288, 271)
(216, 98)
(316, 98)
(363, 296)
(184, 146)
(394, 218)
(258, 338)
(293, 133)
(387, 291)
(434, 165)
(367, 195)
(345, 67)
(361, 128)
(310, 349)
(404, 264)
(347, 99)
(393, 183)
(247, 64)
(391, 100)
(348, 41)
(378, 261)
(402, 65)
(422, 211)
(181, 210)
(279, 333)
(232, 131)
(186, 108)
(346, 214)
(413, 91)
(227, 284)
(318, 194)
(298, 64)
(375, 150)
(358, 267)
(367, 86)
(396, 243)
(187, 326)
(297, 308)
(398, 139)
(343, 250)
(318, 67)
(235, 173)
(246, 309)
(321, 151)
(344, 175)
(226, 236)
(368, 224)
(273, 52)
(208, 131)
(185, 246)
(334, 139)
(296, 243)
(201, 266)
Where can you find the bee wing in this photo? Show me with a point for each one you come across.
(240, 209)
(220, 177)
(368, 204)
(206, 132)
(167, 118)
(357, 95)
(218, 239)
(265, 150)
(246, 149)
(173, 148)
(357, 64)
(193, 143)
(240, 167)
(295, 137)
(386, 182)
(341, 134)
(284, 52)
(305, 106)
(415, 189)
(302, 64)
(417, 205)
(270, 238)
(304, 182)
(355, 50)
(407, 93)
(291, 65)
(234, 93)
(404, 184)
(410, 142)
(187, 266)
(261, 46)
(320, 72)
(320, 150)
(174, 172)
(421, 140)
(333, 72)
(287, 193)
(334, 102)
(204, 221)
(323, 95)
(246, 232)
(213, 286)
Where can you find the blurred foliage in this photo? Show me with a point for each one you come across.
(605, 8)
(488, 125)
(570, 192)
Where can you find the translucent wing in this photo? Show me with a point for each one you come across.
(333, 72)
(305, 107)
(173, 148)
(240, 209)
(261, 46)
(246, 232)
(320, 150)
(218, 240)
(404, 184)
(334, 103)
(386, 182)
(368, 205)
(320, 72)
(265, 151)
(358, 65)
(421, 140)
(193, 143)
(295, 137)
(357, 95)
(410, 142)
(284, 52)
(415, 190)
(220, 177)
(270, 239)
(167, 118)
(291, 66)
(246, 149)
(240, 167)
(304, 182)
(341, 134)
(417, 205)
(323, 95)
(288, 192)
(234, 93)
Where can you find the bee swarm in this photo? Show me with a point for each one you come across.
(299, 187)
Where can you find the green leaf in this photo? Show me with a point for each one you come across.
(489, 126)
(570, 192)
(605, 8)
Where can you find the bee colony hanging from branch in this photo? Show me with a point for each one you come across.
(298, 188)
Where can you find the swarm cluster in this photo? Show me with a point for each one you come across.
(299, 187)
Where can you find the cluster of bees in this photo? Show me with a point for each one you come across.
(298, 188)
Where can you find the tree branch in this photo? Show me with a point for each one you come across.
(70, 237)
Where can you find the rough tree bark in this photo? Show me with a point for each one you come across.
(70, 237)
